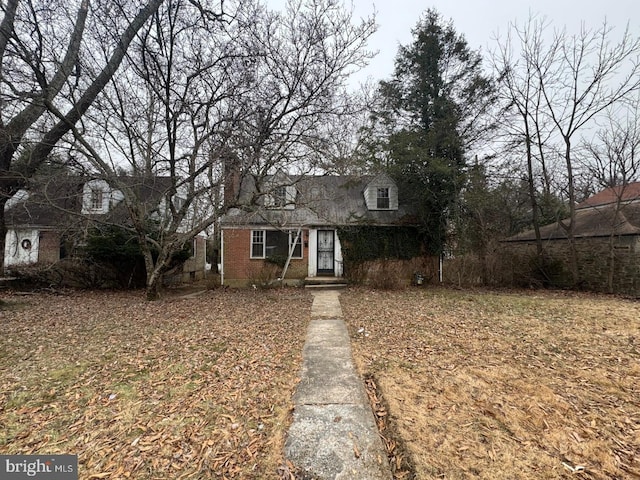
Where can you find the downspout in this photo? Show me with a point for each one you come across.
(221, 257)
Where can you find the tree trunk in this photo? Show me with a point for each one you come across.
(532, 193)
(154, 273)
(3, 232)
(484, 273)
(153, 287)
(573, 253)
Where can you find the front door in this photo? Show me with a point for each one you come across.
(326, 252)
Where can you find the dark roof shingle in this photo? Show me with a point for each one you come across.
(321, 200)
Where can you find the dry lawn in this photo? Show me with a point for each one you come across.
(180, 388)
(518, 385)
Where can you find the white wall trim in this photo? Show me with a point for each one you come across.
(14, 251)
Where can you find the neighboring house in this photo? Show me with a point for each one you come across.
(299, 217)
(50, 222)
(607, 240)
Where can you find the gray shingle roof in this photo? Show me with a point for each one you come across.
(57, 201)
(320, 200)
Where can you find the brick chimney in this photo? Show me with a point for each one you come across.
(232, 178)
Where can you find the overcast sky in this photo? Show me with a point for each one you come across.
(479, 21)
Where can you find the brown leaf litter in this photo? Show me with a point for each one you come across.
(182, 388)
(495, 385)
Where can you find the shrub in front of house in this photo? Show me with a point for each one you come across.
(383, 257)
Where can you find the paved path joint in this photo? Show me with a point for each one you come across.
(333, 435)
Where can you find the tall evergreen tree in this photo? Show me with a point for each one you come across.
(428, 114)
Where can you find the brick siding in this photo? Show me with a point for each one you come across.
(241, 269)
(49, 247)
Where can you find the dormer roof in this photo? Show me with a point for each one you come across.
(381, 193)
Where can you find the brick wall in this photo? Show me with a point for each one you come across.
(49, 247)
(240, 269)
(594, 262)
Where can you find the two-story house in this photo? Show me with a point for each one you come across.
(50, 221)
(291, 225)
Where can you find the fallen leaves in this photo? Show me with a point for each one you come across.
(503, 385)
(193, 388)
(399, 461)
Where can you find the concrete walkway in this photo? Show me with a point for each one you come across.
(333, 434)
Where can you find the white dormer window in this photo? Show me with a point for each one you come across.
(96, 197)
(381, 193)
(382, 199)
(281, 197)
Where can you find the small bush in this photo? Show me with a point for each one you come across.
(262, 274)
(548, 272)
(505, 270)
(66, 273)
(393, 274)
(387, 275)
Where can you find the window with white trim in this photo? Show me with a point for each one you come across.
(257, 244)
(274, 243)
(279, 197)
(382, 198)
(96, 199)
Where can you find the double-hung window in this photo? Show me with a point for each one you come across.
(257, 244)
(96, 199)
(279, 197)
(382, 198)
(274, 243)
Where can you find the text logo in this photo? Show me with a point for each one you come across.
(45, 467)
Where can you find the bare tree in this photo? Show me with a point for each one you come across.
(522, 96)
(614, 163)
(298, 73)
(208, 95)
(614, 152)
(573, 79)
(37, 75)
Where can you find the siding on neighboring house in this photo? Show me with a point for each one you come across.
(43, 247)
(21, 246)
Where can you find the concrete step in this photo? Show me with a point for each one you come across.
(325, 286)
(324, 282)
